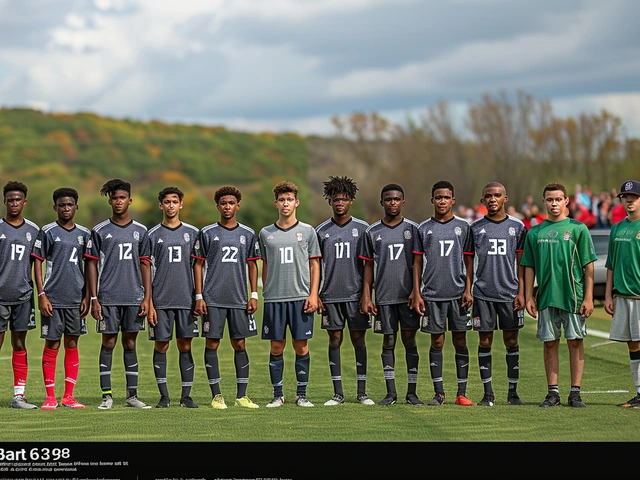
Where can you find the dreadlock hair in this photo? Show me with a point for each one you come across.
(170, 191)
(336, 185)
(227, 190)
(112, 186)
(14, 186)
(65, 192)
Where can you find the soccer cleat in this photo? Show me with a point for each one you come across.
(20, 402)
(70, 402)
(276, 402)
(487, 401)
(302, 401)
(437, 400)
(188, 402)
(337, 399)
(575, 400)
(390, 399)
(245, 402)
(50, 403)
(107, 402)
(413, 399)
(464, 401)
(164, 402)
(364, 399)
(514, 399)
(551, 400)
(218, 402)
(632, 403)
(135, 402)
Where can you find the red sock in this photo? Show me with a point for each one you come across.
(71, 367)
(20, 371)
(49, 357)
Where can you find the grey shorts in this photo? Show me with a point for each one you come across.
(124, 319)
(20, 318)
(65, 321)
(390, 317)
(338, 315)
(241, 324)
(186, 325)
(552, 320)
(489, 316)
(625, 323)
(437, 313)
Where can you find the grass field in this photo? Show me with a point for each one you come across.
(606, 383)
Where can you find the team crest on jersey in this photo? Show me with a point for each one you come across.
(354, 232)
(243, 240)
(186, 237)
(458, 231)
(270, 237)
(136, 235)
(512, 231)
(638, 235)
(28, 236)
(553, 233)
(567, 235)
(80, 240)
(299, 237)
(407, 234)
(38, 244)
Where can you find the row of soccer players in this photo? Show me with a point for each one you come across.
(424, 279)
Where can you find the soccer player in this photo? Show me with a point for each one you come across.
(17, 312)
(622, 295)
(498, 291)
(388, 253)
(121, 294)
(559, 253)
(341, 240)
(225, 251)
(442, 277)
(62, 297)
(290, 255)
(171, 243)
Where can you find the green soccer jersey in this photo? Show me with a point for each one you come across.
(623, 257)
(558, 252)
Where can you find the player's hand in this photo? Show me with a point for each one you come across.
(96, 310)
(311, 304)
(609, 306)
(586, 309)
(532, 309)
(320, 306)
(201, 308)
(152, 317)
(518, 303)
(467, 299)
(252, 306)
(144, 308)
(45, 307)
(85, 306)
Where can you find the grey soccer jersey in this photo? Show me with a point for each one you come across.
(287, 253)
(16, 244)
(226, 252)
(443, 245)
(63, 251)
(341, 247)
(495, 245)
(391, 250)
(172, 266)
(119, 251)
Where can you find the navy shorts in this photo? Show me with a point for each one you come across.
(241, 324)
(436, 314)
(20, 318)
(489, 316)
(186, 324)
(277, 315)
(115, 319)
(338, 315)
(389, 317)
(65, 321)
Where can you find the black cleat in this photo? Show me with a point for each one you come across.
(487, 401)
(163, 403)
(551, 400)
(188, 402)
(413, 399)
(575, 400)
(437, 400)
(632, 403)
(390, 399)
(514, 399)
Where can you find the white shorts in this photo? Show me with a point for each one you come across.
(625, 323)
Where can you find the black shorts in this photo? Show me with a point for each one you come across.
(338, 315)
(389, 317)
(20, 318)
(65, 321)
(241, 324)
(277, 315)
(437, 313)
(186, 325)
(124, 319)
(489, 316)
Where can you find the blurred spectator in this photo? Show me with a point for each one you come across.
(602, 207)
(583, 214)
(511, 210)
(617, 211)
(582, 197)
(528, 201)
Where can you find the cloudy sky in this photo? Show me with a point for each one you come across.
(292, 64)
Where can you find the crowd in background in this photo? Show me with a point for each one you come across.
(599, 211)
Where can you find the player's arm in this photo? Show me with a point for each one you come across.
(609, 304)
(145, 271)
(530, 301)
(586, 309)
(366, 305)
(311, 304)
(415, 298)
(44, 305)
(264, 271)
(467, 298)
(252, 306)
(91, 280)
(198, 279)
(519, 301)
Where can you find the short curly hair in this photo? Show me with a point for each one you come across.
(227, 190)
(14, 186)
(285, 187)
